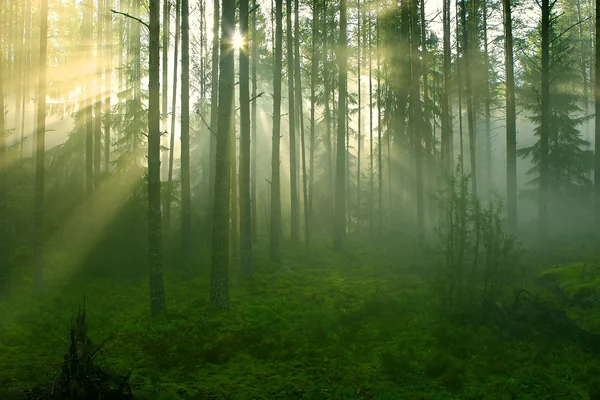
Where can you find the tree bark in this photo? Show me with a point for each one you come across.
(99, 90)
(186, 207)
(38, 213)
(597, 120)
(108, 58)
(214, 111)
(313, 100)
(511, 121)
(294, 221)
(417, 120)
(89, 133)
(165, 89)
(244, 179)
(340, 170)
(169, 191)
(4, 229)
(219, 279)
(275, 223)
(545, 119)
(254, 56)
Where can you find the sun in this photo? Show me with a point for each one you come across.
(238, 41)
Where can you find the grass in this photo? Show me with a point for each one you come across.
(355, 325)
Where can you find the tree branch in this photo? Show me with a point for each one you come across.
(132, 17)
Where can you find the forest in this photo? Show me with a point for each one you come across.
(299, 199)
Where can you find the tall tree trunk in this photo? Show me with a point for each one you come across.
(488, 103)
(417, 119)
(108, 65)
(219, 279)
(426, 130)
(4, 229)
(214, 111)
(186, 206)
(157, 293)
(165, 90)
(254, 56)
(275, 223)
(169, 191)
(294, 221)
(371, 150)
(244, 179)
(313, 100)
(466, 34)
(511, 121)
(459, 70)
(379, 133)
(597, 120)
(326, 106)
(300, 117)
(235, 205)
(359, 48)
(584, 73)
(40, 145)
(89, 133)
(340, 168)
(545, 119)
(99, 90)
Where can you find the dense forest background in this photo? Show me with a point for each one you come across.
(354, 181)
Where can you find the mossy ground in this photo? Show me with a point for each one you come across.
(356, 325)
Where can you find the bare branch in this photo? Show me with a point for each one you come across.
(132, 17)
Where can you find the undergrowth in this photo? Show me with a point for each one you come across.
(324, 325)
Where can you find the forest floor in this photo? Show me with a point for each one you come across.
(357, 325)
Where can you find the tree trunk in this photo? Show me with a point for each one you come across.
(545, 119)
(327, 108)
(294, 222)
(244, 179)
(275, 223)
(254, 214)
(40, 146)
(459, 68)
(169, 191)
(235, 205)
(597, 120)
(89, 133)
(300, 117)
(417, 120)
(165, 90)
(219, 279)
(359, 48)
(99, 90)
(488, 104)
(379, 134)
(107, 66)
(186, 207)
(157, 293)
(426, 130)
(371, 150)
(4, 229)
(340, 168)
(470, 109)
(314, 73)
(511, 121)
(214, 111)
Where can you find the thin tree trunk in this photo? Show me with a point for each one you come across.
(169, 191)
(327, 108)
(379, 133)
(511, 121)
(459, 67)
(38, 214)
(244, 179)
(108, 77)
(359, 16)
(294, 221)
(99, 90)
(371, 150)
(275, 223)
(545, 119)
(165, 90)
(488, 104)
(313, 100)
(597, 120)
(186, 206)
(4, 228)
(254, 216)
(470, 109)
(219, 279)
(300, 116)
(417, 118)
(340, 170)
(89, 133)
(157, 293)
(235, 224)
(214, 111)
(426, 131)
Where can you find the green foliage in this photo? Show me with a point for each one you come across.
(479, 258)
